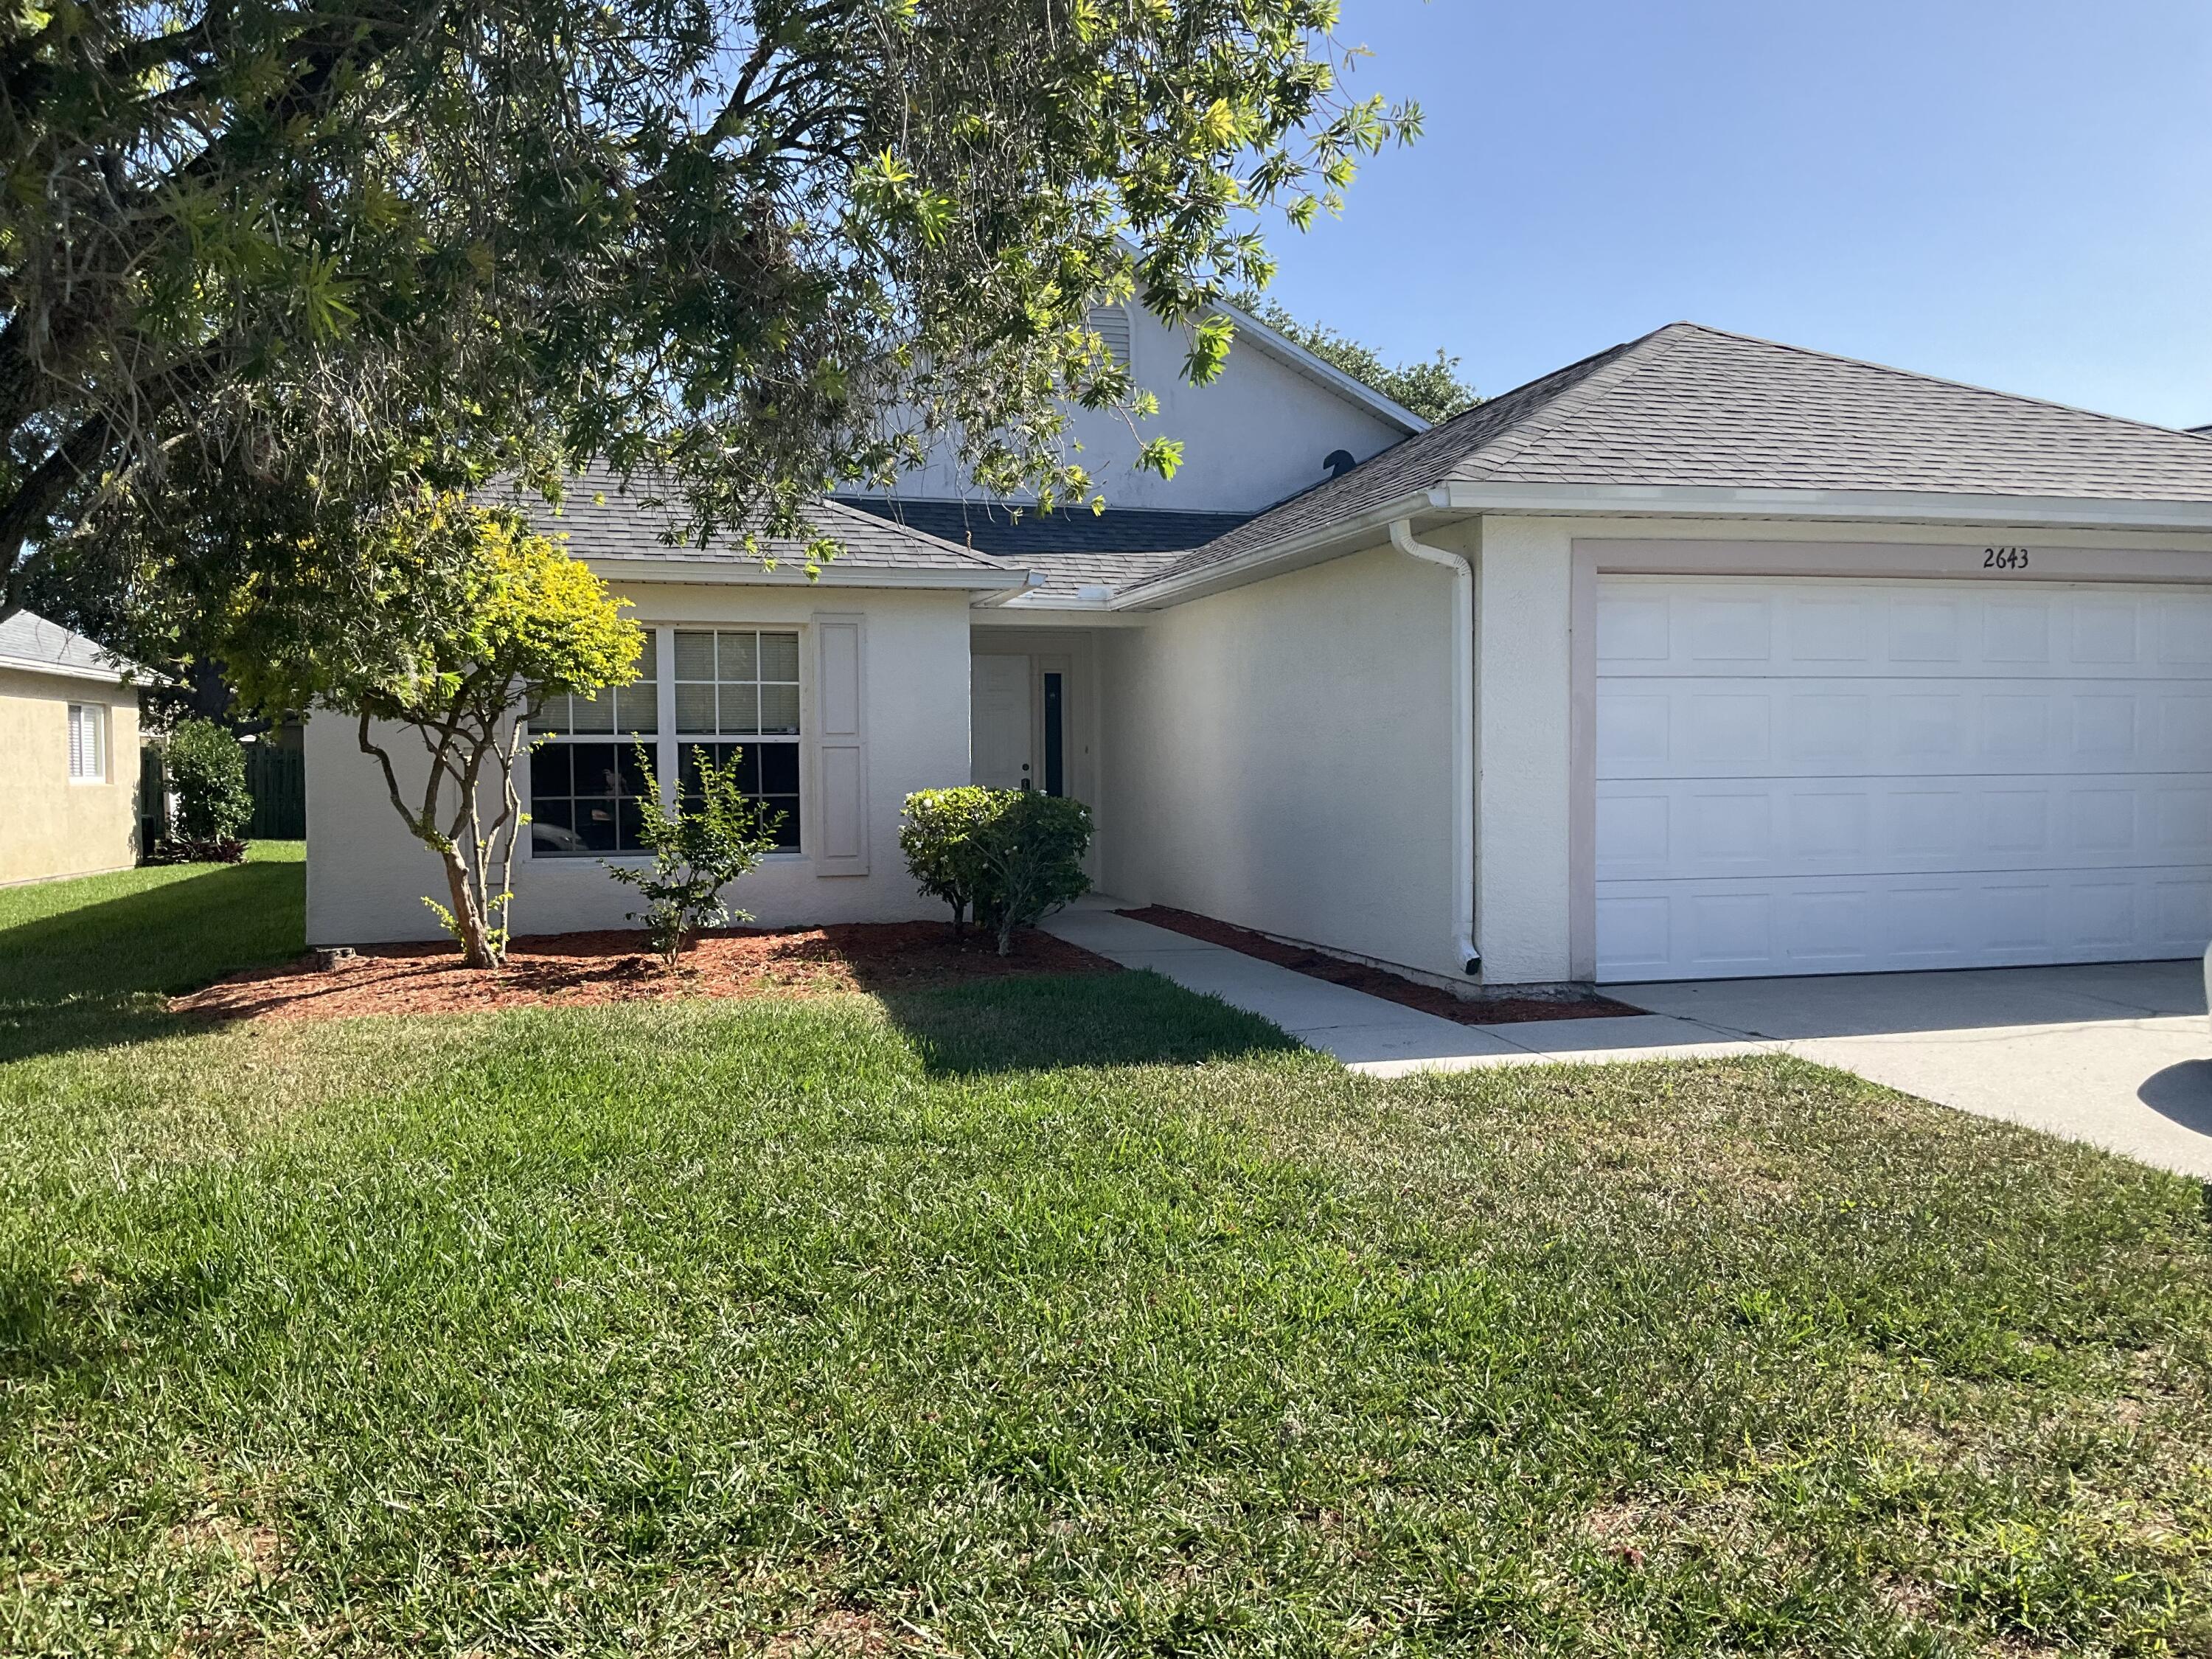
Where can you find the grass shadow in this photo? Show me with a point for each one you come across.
(85, 963)
(1050, 1022)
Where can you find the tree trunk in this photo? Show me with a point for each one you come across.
(468, 917)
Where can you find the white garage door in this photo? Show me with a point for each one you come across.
(1811, 776)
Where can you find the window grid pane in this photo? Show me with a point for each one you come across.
(633, 709)
(768, 772)
(584, 797)
(736, 682)
(585, 782)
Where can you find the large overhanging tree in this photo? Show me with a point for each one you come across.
(268, 264)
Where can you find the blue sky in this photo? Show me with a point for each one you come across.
(2013, 193)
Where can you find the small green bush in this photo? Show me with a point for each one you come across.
(938, 838)
(697, 850)
(206, 766)
(1009, 857)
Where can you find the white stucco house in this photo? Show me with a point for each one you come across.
(1704, 656)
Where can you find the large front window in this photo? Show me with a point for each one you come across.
(742, 684)
(585, 781)
(732, 691)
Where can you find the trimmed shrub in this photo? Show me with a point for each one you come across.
(938, 838)
(1033, 853)
(1010, 857)
(206, 768)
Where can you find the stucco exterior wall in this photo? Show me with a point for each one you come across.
(1278, 756)
(50, 823)
(1523, 726)
(1256, 433)
(367, 875)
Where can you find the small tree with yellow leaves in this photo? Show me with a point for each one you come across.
(457, 623)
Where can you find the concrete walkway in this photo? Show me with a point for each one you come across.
(1368, 1033)
(2119, 1055)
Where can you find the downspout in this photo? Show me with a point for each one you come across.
(1463, 759)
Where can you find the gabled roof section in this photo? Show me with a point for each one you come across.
(1420, 463)
(606, 524)
(1262, 336)
(1691, 406)
(1001, 528)
(28, 640)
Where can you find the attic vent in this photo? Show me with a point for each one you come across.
(1111, 324)
(1339, 461)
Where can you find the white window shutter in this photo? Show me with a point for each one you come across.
(841, 845)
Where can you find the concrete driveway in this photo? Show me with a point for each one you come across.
(2117, 1054)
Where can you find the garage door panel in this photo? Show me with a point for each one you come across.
(1688, 829)
(1805, 776)
(1875, 630)
(1840, 925)
(1655, 727)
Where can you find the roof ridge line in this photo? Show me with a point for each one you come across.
(1525, 436)
(1924, 378)
(902, 528)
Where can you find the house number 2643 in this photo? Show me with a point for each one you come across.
(2004, 558)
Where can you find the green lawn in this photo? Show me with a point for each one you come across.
(1046, 1318)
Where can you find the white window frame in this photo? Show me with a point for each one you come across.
(667, 744)
(89, 718)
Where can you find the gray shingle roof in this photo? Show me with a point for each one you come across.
(995, 527)
(1066, 574)
(1688, 405)
(29, 638)
(604, 522)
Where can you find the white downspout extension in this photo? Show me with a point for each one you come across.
(1462, 766)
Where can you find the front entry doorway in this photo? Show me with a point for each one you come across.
(1018, 721)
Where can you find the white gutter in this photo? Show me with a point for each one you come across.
(1031, 581)
(1321, 541)
(1885, 506)
(727, 573)
(1462, 738)
(129, 674)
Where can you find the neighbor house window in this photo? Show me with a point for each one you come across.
(737, 694)
(88, 742)
(585, 779)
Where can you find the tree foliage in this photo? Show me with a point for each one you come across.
(294, 258)
(468, 625)
(1432, 388)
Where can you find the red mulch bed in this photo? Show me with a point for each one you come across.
(1429, 998)
(570, 969)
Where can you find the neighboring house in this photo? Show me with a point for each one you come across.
(1703, 656)
(69, 736)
